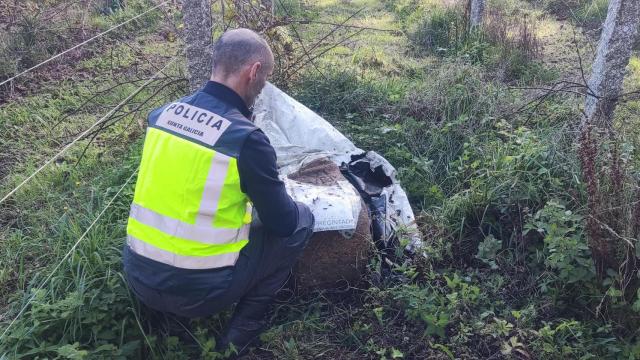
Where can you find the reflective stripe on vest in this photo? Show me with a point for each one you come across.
(188, 209)
(187, 262)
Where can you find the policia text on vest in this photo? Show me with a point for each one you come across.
(193, 122)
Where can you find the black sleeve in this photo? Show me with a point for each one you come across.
(259, 180)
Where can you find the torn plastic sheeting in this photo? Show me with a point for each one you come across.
(299, 136)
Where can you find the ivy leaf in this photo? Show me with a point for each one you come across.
(396, 354)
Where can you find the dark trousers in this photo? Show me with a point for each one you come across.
(261, 270)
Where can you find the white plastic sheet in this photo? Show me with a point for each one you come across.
(299, 136)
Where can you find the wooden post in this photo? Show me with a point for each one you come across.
(476, 12)
(197, 34)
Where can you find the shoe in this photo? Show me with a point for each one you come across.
(169, 325)
(180, 328)
(246, 325)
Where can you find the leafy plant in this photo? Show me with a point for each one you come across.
(488, 249)
(565, 250)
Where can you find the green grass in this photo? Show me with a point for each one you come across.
(86, 298)
(586, 13)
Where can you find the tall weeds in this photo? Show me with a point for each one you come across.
(509, 47)
(612, 208)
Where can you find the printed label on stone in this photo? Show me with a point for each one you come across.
(334, 207)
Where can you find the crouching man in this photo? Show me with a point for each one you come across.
(192, 248)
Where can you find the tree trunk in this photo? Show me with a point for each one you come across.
(197, 35)
(616, 42)
(476, 10)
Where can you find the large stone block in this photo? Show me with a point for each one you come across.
(332, 259)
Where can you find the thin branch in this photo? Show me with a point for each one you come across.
(580, 65)
(336, 28)
(116, 118)
(326, 50)
(295, 31)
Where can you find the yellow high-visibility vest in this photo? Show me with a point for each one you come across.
(188, 209)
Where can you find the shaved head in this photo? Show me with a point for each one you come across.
(239, 48)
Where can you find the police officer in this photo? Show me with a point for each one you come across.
(193, 247)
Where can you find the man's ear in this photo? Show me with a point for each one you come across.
(255, 68)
